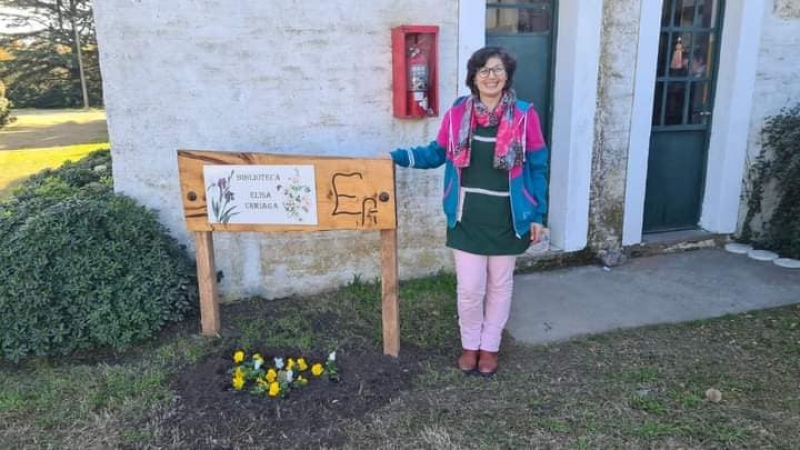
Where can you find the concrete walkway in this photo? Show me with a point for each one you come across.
(562, 304)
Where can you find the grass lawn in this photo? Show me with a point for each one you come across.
(41, 139)
(643, 388)
(42, 128)
(49, 117)
(16, 165)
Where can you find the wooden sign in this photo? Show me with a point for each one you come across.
(224, 191)
(267, 192)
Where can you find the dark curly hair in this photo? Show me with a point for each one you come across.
(478, 60)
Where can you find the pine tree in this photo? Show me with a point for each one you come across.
(54, 60)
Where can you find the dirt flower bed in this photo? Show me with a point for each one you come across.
(368, 381)
(210, 413)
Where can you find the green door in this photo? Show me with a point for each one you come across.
(684, 94)
(525, 29)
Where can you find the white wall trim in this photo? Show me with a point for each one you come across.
(575, 94)
(471, 36)
(741, 39)
(641, 119)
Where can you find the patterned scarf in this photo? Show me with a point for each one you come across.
(508, 150)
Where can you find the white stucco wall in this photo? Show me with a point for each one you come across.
(777, 82)
(309, 78)
(315, 79)
(617, 82)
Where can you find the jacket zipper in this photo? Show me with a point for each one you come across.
(510, 192)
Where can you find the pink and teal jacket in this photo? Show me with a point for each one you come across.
(527, 184)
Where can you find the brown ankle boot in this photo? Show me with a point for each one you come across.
(487, 363)
(468, 360)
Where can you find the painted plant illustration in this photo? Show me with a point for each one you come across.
(221, 197)
(296, 197)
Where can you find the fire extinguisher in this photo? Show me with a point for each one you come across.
(418, 83)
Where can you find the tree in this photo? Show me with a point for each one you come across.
(4, 106)
(53, 54)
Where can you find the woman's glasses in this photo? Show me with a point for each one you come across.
(498, 71)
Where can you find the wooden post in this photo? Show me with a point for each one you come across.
(389, 289)
(207, 281)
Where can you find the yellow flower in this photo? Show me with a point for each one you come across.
(271, 375)
(290, 364)
(238, 356)
(302, 381)
(302, 364)
(317, 369)
(274, 389)
(262, 381)
(238, 383)
(238, 373)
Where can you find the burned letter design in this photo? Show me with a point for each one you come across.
(346, 200)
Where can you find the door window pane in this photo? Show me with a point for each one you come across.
(687, 52)
(520, 16)
(689, 13)
(686, 13)
(708, 14)
(700, 102)
(658, 104)
(679, 54)
(676, 102)
(666, 14)
(701, 61)
(663, 43)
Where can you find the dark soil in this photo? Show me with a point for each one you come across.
(369, 380)
(210, 414)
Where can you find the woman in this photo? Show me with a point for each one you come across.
(494, 197)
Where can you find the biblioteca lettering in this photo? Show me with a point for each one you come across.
(258, 177)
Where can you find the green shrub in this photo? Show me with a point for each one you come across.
(779, 162)
(83, 179)
(84, 268)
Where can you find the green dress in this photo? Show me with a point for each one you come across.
(485, 226)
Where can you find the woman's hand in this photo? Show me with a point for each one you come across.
(536, 232)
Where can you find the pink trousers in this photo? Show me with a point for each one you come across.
(484, 286)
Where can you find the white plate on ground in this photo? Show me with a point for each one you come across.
(787, 263)
(762, 255)
(739, 249)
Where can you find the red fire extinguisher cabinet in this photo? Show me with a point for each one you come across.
(415, 74)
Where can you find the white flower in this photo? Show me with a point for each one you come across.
(332, 356)
(279, 363)
(289, 376)
(257, 363)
